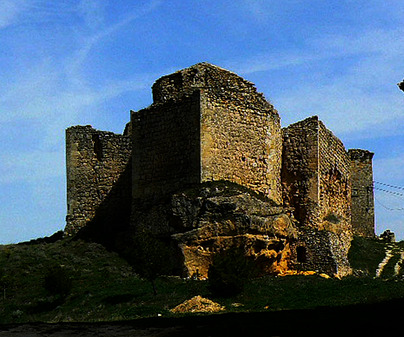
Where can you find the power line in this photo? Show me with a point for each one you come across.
(393, 193)
(388, 185)
(389, 208)
(390, 192)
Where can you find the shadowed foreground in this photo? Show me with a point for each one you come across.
(379, 318)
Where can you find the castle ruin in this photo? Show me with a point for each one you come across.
(308, 195)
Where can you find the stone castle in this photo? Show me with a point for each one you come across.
(207, 166)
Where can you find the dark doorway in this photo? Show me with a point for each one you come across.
(301, 253)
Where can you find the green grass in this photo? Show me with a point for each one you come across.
(303, 292)
(104, 287)
(366, 254)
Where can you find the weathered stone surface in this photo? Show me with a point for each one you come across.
(363, 212)
(317, 184)
(316, 176)
(98, 176)
(207, 124)
(214, 217)
(322, 251)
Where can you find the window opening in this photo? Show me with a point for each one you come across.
(97, 146)
(301, 254)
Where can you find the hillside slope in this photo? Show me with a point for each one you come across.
(73, 280)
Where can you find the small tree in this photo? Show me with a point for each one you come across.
(4, 284)
(229, 272)
(149, 256)
(57, 281)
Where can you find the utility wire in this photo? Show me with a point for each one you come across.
(390, 192)
(394, 193)
(389, 208)
(388, 185)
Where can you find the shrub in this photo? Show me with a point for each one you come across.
(229, 272)
(149, 256)
(366, 254)
(331, 217)
(57, 281)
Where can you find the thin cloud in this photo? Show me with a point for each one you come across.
(17, 12)
(92, 11)
(10, 12)
(90, 42)
(48, 98)
(373, 43)
(341, 101)
(364, 91)
(55, 98)
(30, 166)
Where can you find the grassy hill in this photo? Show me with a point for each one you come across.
(73, 280)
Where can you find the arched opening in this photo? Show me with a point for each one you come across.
(301, 253)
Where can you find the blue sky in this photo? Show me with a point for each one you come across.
(89, 62)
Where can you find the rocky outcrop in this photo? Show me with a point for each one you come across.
(214, 217)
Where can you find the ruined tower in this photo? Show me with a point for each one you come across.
(317, 184)
(363, 213)
(205, 124)
(316, 175)
(98, 178)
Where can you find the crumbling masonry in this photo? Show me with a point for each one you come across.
(208, 125)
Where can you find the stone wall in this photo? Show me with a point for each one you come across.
(241, 136)
(205, 123)
(316, 180)
(300, 170)
(98, 176)
(316, 175)
(166, 147)
(322, 251)
(363, 214)
(335, 182)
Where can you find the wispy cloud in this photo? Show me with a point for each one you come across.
(17, 12)
(364, 91)
(373, 43)
(91, 41)
(52, 93)
(92, 11)
(32, 166)
(10, 11)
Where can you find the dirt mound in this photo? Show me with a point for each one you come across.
(198, 304)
